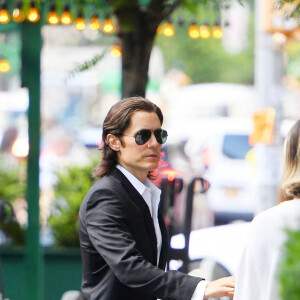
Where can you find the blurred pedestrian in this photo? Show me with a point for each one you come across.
(123, 238)
(258, 272)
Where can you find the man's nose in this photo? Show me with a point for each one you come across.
(153, 141)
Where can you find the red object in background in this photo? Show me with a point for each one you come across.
(170, 173)
(164, 170)
(208, 156)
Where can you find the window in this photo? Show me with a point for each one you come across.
(236, 146)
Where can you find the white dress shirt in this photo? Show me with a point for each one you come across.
(151, 194)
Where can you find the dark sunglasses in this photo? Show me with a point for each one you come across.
(143, 136)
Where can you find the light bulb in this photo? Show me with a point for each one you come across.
(53, 18)
(168, 30)
(4, 65)
(33, 14)
(193, 31)
(18, 15)
(108, 26)
(4, 14)
(66, 17)
(20, 147)
(204, 31)
(116, 51)
(217, 31)
(95, 23)
(80, 22)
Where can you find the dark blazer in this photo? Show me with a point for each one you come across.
(119, 249)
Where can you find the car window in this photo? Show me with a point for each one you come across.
(236, 146)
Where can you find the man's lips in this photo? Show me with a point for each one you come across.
(152, 155)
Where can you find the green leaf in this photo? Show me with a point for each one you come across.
(87, 65)
(289, 275)
(70, 189)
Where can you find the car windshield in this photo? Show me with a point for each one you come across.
(236, 146)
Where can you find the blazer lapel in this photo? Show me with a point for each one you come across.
(165, 243)
(140, 202)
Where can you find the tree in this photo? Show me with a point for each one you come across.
(137, 23)
(137, 26)
(206, 60)
(295, 13)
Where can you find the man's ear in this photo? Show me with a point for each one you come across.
(113, 142)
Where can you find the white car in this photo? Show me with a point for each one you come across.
(215, 251)
(233, 193)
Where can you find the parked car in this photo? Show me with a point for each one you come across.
(232, 172)
(219, 151)
(215, 251)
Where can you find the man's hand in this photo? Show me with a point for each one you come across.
(223, 287)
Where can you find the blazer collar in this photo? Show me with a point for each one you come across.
(136, 197)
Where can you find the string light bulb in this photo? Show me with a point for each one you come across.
(4, 65)
(4, 14)
(66, 18)
(193, 31)
(80, 22)
(116, 51)
(108, 26)
(204, 31)
(18, 15)
(33, 15)
(53, 18)
(95, 23)
(217, 31)
(168, 29)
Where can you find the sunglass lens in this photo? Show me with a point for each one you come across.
(142, 137)
(164, 136)
(161, 136)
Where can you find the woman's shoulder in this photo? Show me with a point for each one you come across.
(279, 215)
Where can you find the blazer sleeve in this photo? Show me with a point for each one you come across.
(109, 233)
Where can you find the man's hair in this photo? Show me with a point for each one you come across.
(291, 172)
(116, 122)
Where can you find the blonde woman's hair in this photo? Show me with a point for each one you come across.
(291, 171)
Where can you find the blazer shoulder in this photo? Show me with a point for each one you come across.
(115, 181)
(111, 185)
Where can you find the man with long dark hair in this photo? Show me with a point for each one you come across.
(123, 238)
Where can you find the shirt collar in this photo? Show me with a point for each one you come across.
(139, 186)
